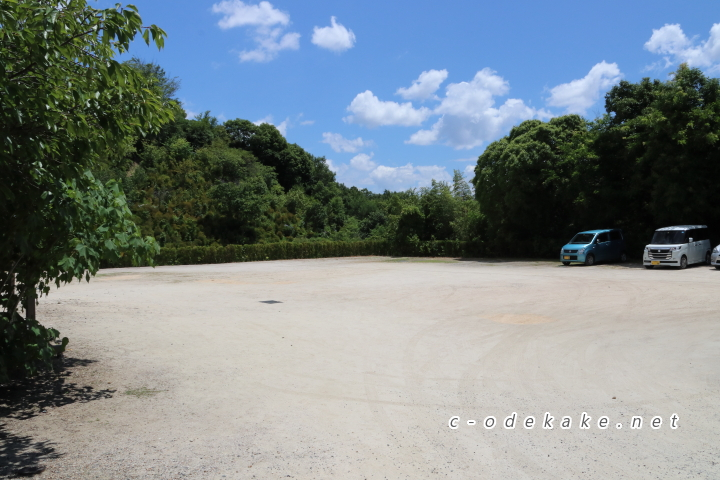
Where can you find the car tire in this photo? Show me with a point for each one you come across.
(566, 263)
(623, 257)
(590, 260)
(683, 262)
(707, 258)
(649, 267)
(717, 266)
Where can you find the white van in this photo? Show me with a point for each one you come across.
(678, 246)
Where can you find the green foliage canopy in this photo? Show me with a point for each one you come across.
(652, 160)
(65, 103)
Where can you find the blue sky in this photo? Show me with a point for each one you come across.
(396, 93)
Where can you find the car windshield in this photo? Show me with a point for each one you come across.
(582, 238)
(668, 237)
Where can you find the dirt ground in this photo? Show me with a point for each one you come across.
(353, 368)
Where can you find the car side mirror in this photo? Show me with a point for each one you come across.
(691, 240)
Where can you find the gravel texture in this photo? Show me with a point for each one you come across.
(190, 372)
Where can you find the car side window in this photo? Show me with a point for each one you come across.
(603, 237)
(688, 235)
(701, 234)
(615, 235)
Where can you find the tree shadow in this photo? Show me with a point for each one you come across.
(631, 264)
(18, 451)
(625, 265)
(499, 260)
(27, 398)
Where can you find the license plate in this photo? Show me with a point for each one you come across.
(566, 257)
(655, 262)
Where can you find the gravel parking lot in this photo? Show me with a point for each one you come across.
(352, 368)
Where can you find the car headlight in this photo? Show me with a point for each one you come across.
(581, 251)
(674, 248)
(716, 249)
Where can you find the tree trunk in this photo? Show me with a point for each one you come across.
(30, 305)
(10, 297)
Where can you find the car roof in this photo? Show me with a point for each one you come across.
(602, 230)
(680, 227)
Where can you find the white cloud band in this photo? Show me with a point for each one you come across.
(579, 95)
(361, 171)
(370, 111)
(671, 41)
(341, 144)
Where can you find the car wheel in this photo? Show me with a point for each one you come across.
(683, 262)
(566, 263)
(717, 266)
(649, 266)
(707, 258)
(623, 257)
(590, 259)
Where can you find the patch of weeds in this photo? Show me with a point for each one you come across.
(143, 392)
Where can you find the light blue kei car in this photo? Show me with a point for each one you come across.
(592, 246)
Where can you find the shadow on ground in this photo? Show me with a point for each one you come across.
(25, 399)
(632, 264)
(17, 451)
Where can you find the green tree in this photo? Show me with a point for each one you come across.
(439, 210)
(461, 189)
(660, 150)
(526, 184)
(65, 103)
(157, 78)
(293, 165)
(468, 223)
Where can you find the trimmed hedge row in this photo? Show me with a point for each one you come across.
(267, 251)
(441, 248)
(290, 251)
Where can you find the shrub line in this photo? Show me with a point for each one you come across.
(197, 255)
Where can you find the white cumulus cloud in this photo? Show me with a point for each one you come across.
(268, 23)
(341, 144)
(239, 14)
(407, 176)
(335, 37)
(468, 112)
(579, 95)
(671, 41)
(361, 171)
(370, 111)
(270, 43)
(363, 162)
(469, 115)
(425, 86)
